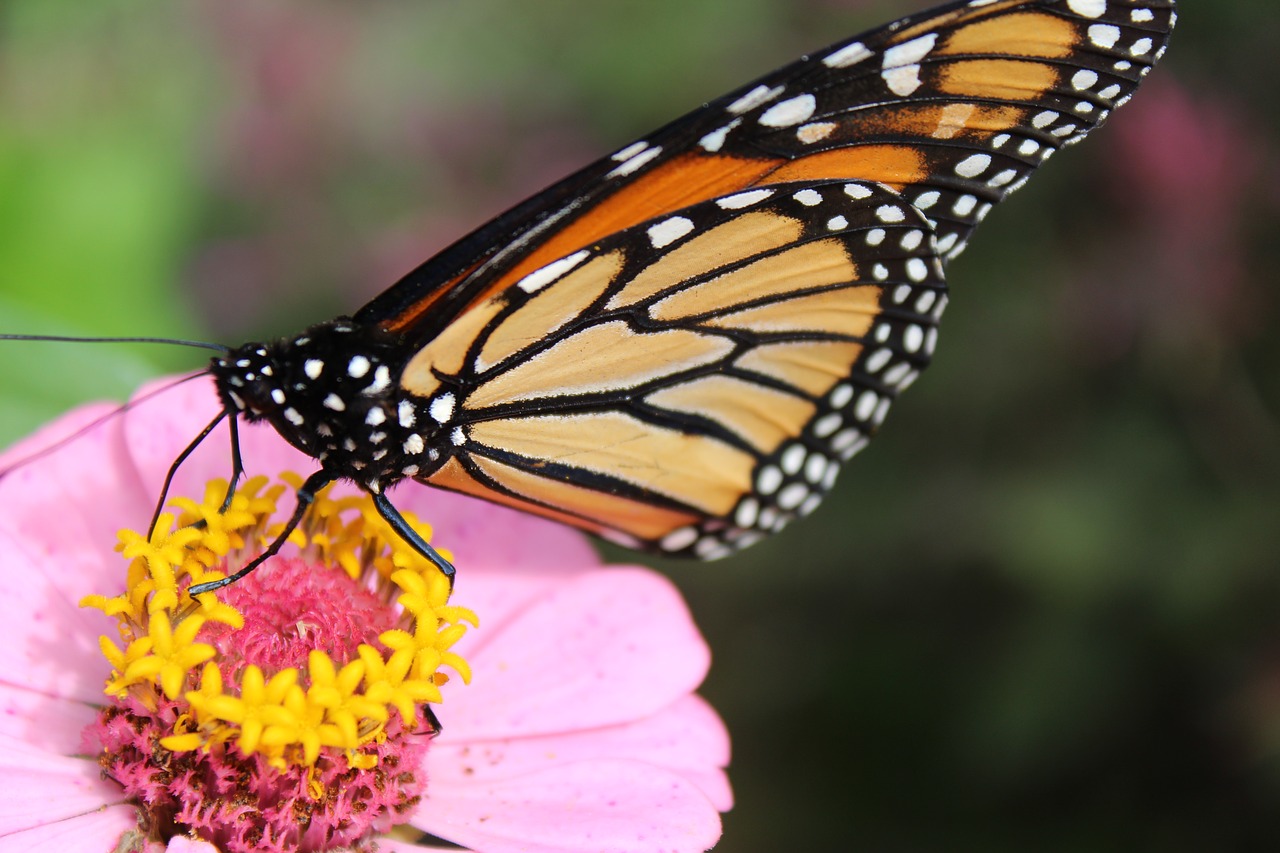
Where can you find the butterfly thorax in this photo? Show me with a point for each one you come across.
(333, 392)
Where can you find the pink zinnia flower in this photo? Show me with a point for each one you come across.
(579, 730)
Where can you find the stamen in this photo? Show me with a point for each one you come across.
(298, 682)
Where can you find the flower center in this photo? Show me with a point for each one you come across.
(287, 715)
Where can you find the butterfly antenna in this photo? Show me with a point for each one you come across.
(75, 339)
(95, 423)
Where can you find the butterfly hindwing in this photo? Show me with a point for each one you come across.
(953, 107)
(693, 382)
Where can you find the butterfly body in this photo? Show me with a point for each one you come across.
(333, 393)
(678, 346)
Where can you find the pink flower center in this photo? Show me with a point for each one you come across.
(289, 611)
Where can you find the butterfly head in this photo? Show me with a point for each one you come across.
(333, 393)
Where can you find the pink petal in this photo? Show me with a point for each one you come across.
(594, 807)
(52, 644)
(37, 788)
(43, 721)
(687, 738)
(606, 647)
(72, 501)
(92, 832)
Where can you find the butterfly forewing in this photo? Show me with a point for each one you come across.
(693, 382)
(953, 107)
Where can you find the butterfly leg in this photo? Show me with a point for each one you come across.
(237, 464)
(182, 457)
(433, 722)
(408, 534)
(306, 495)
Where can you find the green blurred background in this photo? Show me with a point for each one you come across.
(1042, 612)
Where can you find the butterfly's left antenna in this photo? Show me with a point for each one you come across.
(74, 339)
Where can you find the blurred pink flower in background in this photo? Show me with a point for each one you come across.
(580, 730)
(1185, 169)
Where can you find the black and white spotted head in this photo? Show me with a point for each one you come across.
(333, 392)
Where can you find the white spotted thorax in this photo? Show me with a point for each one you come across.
(333, 393)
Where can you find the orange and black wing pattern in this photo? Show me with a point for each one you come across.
(678, 346)
(694, 382)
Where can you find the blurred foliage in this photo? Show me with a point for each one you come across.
(1040, 613)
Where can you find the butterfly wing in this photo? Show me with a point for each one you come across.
(954, 108)
(691, 383)
(677, 346)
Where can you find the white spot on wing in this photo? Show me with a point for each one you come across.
(926, 200)
(1044, 118)
(714, 140)
(738, 201)
(634, 164)
(850, 54)
(973, 165)
(890, 213)
(678, 540)
(761, 94)
(768, 480)
(631, 150)
(790, 112)
(1084, 79)
(808, 197)
(901, 66)
(540, 278)
(313, 367)
(1104, 35)
(815, 131)
(668, 231)
(1088, 8)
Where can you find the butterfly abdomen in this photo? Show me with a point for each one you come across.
(333, 392)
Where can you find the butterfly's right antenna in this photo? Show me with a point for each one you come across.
(237, 466)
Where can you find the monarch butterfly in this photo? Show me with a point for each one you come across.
(676, 347)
